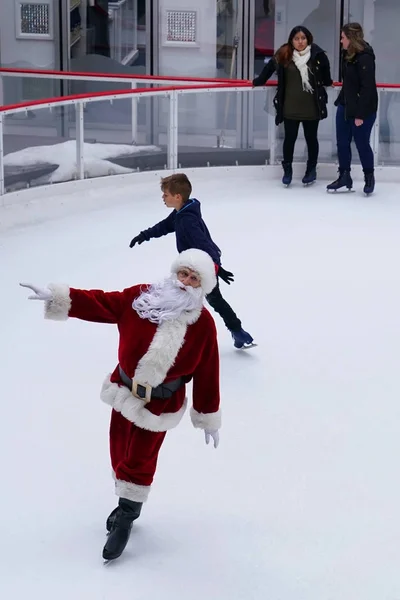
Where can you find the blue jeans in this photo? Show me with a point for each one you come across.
(346, 130)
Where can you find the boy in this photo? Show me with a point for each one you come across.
(191, 232)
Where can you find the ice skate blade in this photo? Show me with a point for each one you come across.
(308, 184)
(346, 191)
(247, 346)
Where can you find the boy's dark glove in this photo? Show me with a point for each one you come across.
(226, 276)
(139, 239)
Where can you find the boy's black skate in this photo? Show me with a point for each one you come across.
(128, 511)
(369, 179)
(242, 339)
(310, 175)
(287, 173)
(344, 180)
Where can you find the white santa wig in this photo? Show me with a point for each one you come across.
(201, 263)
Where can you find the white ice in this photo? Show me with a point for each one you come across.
(301, 500)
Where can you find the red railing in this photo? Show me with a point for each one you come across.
(117, 93)
(47, 73)
(111, 76)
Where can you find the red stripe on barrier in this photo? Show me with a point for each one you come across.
(146, 91)
(65, 74)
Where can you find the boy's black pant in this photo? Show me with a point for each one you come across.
(310, 129)
(221, 306)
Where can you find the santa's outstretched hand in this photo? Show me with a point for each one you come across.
(40, 293)
(214, 434)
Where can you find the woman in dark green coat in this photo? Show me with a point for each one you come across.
(303, 71)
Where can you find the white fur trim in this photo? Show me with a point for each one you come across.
(210, 421)
(202, 263)
(133, 409)
(59, 306)
(162, 352)
(132, 491)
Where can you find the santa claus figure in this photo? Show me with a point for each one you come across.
(166, 338)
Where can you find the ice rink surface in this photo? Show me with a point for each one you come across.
(301, 500)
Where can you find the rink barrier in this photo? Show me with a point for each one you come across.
(172, 92)
(80, 100)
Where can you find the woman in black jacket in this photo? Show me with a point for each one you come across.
(357, 105)
(303, 72)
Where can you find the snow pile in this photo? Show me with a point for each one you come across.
(96, 156)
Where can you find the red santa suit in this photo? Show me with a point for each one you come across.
(185, 347)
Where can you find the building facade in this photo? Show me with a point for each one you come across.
(189, 38)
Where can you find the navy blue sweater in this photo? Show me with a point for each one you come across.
(190, 230)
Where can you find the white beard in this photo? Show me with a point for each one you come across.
(167, 300)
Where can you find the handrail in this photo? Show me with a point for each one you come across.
(143, 78)
(99, 96)
(43, 73)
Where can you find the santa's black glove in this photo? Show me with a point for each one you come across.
(139, 239)
(226, 276)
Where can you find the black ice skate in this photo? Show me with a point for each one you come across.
(121, 525)
(111, 519)
(242, 339)
(369, 179)
(287, 173)
(344, 180)
(310, 175)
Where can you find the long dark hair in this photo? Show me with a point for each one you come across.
(354, 32)
(284, 55)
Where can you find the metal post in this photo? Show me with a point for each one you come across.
(80, 140)
(1, 91)
(2, 187)
(377, 129)
(134, 115)
(271, 134)
(172, 162)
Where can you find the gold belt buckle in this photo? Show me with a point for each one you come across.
(147, 387)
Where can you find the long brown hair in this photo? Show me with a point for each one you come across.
(284, 54)
(354, 32)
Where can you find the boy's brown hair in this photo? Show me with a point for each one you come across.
(177, 184)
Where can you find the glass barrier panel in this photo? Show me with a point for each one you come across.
(210, 130)
(326, 136)
(18, 89)
(25, 89)
(38, 148)
(116, 143)
(389, 124)
(263, 118)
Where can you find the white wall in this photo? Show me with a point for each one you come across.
(197, 62)
(22, 53)
(195, 112)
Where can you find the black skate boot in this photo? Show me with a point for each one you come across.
(242, 339)
(111, 519)
(287, 173)
(128, 511)
(310, 174)
(344, 180)
(369, 179)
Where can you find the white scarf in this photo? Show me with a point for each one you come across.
(301, 59)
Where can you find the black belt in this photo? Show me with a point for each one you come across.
(146, 392)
